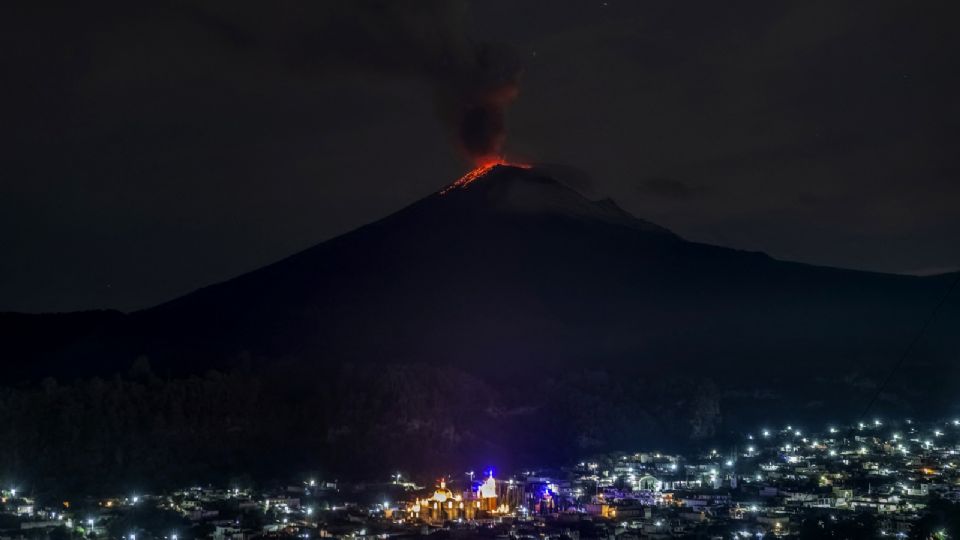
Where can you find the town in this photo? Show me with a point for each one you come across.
(870, 479)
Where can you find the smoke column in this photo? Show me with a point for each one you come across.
(473, 83)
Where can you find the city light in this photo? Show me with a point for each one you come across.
(594, 488)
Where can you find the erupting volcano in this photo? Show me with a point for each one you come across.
(480, 171)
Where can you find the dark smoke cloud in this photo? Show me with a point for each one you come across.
(473, 83)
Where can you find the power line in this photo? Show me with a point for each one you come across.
(911, 345)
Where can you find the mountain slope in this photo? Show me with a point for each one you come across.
(510, 319)
(516, 267)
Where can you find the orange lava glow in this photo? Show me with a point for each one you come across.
(481, 170)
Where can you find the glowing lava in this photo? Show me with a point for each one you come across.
(480, 172)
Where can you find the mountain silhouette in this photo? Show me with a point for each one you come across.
(515, 308)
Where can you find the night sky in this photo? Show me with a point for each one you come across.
(151, 150)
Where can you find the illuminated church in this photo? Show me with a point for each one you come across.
(444, 505)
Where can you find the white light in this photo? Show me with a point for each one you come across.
(833, 430)
(309, 510)
(750, 449)
(797, 433)
(136, 499)
(13, 492)
(877, 423)
(766, 433)
(729, 463)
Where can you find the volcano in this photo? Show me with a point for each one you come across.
(517, 268)
(514, 268)
(522, 302)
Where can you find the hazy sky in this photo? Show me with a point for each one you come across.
(150, 150)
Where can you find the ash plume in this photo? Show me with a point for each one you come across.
(472, 83)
